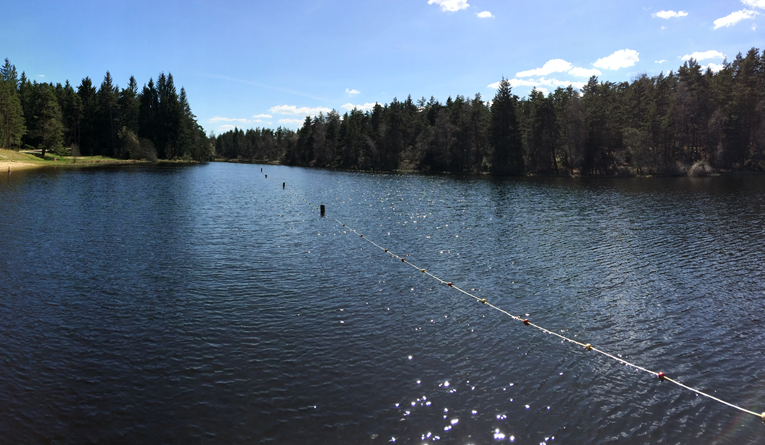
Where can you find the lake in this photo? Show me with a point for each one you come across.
(205, 304)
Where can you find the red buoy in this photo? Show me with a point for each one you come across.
(449, 283)
(661, 376)
(526, 321)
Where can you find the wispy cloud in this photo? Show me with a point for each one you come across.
(295, 111)
(262, 85)
(754, 3)
(297, 122)
(734, 17)
(661, 61)
(715, 67)
(352, 92)
(366, 107)
(711, 54)
(552, 66)
(584, 72)
(262, 116)
(484, 15)
(227, 119)
(41, 75)
(670, 14)
(225, 128)
(450, 5)
(541, 81)
(620, 59)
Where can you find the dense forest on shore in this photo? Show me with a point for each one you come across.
(153, 123)
(691, 122)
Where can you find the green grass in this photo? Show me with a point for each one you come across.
(54, 159)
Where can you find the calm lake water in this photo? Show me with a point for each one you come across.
(204, 304)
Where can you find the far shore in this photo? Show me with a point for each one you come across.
(694, 171)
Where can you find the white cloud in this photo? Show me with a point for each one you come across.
(712, 66)
(544, 91)
(552, 66)
(262, 116)
(661, 61)
(584, 72)
(620, 59)
(257, 120)
(225, 128)
(366, 107)
(754, 3)
(670, 14)
(298, 122)
(541, 81)
(754, 27)
(734, 17)
(41, 75)
(227, 119)
(711, 54)
(484, 15)
(295, 111)
(450, 5)
(352, 92)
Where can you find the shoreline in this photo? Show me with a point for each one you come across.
(698, 174)
(18, 161)
(21, 165)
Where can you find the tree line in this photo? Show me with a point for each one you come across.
(155, 122)
(692, 121)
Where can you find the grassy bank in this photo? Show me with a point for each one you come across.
(22, 161)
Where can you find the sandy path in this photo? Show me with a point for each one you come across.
(16, 166)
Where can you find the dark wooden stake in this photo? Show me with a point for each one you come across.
(322, 210)
(283, 184)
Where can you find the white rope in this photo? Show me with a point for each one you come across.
(588, 346)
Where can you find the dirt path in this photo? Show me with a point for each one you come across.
(16, 166)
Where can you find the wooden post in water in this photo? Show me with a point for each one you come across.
(284, 185)
(261, 169)
(266, 176)
(322, 210)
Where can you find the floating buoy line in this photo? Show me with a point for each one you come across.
(587, 346)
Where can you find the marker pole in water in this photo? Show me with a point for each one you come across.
(322, 210)
(284, 185)
(266, 176)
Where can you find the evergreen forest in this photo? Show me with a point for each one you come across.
(690, 122)
(154, 122)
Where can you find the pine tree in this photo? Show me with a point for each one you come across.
(106, 122)
(87, 132)
(148, 112)
(49, 130)
(12, 126)
(507, 157)
(129, 106)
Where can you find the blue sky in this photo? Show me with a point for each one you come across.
(271, 63)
